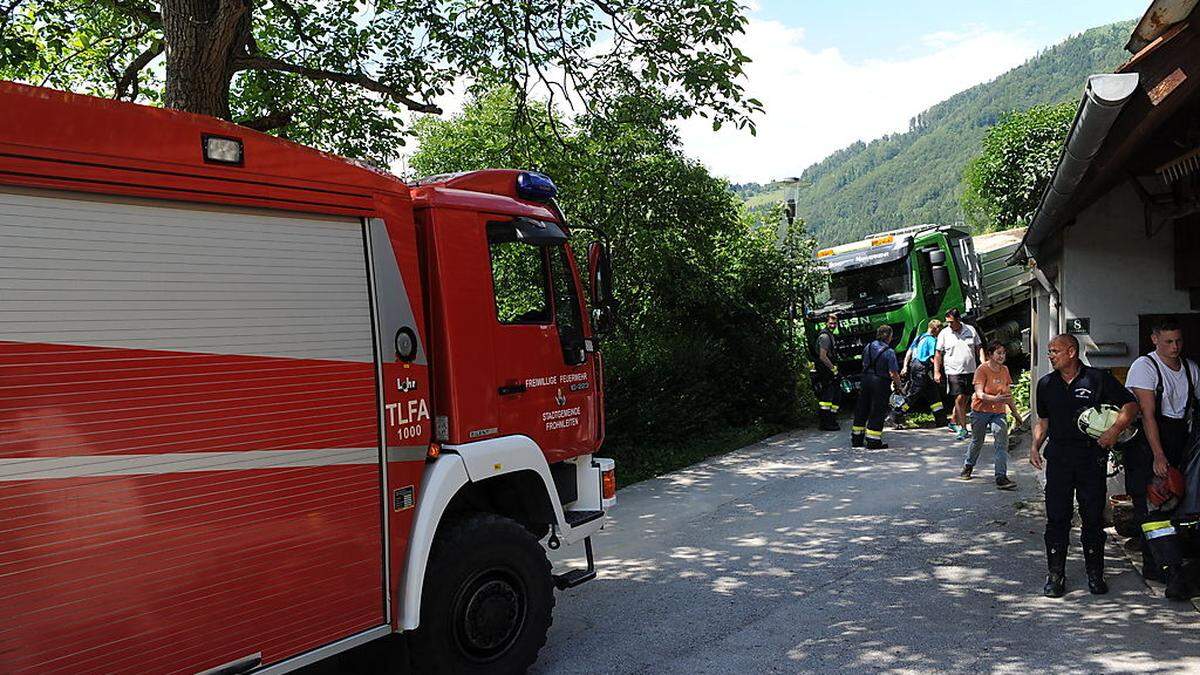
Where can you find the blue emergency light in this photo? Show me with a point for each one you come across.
(535, 186)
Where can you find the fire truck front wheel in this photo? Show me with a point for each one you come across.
(487, 602)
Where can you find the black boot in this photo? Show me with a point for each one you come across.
(1151, 570)
(828, 421)
(856, 438)
(1163, 543)
(873, 444)
(1177, 586)
(1056, 579)
(1093, 562)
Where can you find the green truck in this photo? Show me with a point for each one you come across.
(906, 277)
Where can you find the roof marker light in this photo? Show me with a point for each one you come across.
(222, 150)
(535, 186)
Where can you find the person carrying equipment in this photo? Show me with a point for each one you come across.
(879, 366)
(918, 368)
(1165, 386)
(828, 384)
(1076, 464)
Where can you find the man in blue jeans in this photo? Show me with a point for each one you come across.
(992, 397)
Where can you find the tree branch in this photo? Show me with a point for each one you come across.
(297, 20)
(130, 77)
(273, 120)
(368, 83)
(136, 10)
(6, 11)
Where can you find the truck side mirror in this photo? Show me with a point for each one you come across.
(600, 286)
(941, 277)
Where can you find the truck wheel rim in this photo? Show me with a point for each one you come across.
(489, 614)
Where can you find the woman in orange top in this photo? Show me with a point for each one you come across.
(993, 394)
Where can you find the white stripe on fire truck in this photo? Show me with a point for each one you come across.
(90, 466)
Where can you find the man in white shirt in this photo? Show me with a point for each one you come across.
(955, 363)
(1165, 385)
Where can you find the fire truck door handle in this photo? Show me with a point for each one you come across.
(512, 389)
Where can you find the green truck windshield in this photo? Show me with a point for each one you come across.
(875, 285)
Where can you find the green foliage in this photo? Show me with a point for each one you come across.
(1002, 186)
(341, 75)
(703, 288)
(915, 177)
(1020, 391)
(519, 282)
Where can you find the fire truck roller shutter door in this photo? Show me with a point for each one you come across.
(223, 360)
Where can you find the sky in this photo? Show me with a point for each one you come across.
(832, 73)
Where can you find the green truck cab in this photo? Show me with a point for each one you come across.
(906, 277)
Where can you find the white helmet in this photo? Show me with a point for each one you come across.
(1099, 419)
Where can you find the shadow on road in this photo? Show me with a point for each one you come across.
(800, 555)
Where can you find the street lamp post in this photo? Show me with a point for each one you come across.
(790, 216)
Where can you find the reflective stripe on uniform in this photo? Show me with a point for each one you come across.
(871, 433)
(857, 431)
(834, 407)
(825, 405)
(1158, 528)
(936, 406)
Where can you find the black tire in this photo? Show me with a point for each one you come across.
(487, 602)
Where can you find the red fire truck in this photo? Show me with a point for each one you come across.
(260, 405)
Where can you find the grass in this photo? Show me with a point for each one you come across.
(636, 463)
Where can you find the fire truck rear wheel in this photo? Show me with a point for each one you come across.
(488, 599)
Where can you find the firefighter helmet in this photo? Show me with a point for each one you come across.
(1164, 494)
(1096, 420)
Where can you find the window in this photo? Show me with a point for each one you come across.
(566, 307)
(932, 296)
(518, 278)
(869, 286)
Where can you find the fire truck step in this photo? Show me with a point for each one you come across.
(577, 518)
(573, 578)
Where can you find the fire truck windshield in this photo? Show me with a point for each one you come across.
(887, 283)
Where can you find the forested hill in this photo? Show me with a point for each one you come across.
(914, 177)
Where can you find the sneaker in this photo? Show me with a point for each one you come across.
(965, 474)
(962, 434)
(952, 427)
(1003, 483)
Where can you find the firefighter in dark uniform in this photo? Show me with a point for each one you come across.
(1165, 385)
(881, 373)
(828, 384)
(918, 367)
(1076, 464)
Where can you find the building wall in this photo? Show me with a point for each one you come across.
(1111, 273)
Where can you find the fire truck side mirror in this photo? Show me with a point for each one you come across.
(600, 275)
(600, 286)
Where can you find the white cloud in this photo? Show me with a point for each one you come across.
(817, 101)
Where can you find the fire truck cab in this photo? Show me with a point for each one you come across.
(261, 405)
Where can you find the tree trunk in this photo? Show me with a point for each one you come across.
(202, 37)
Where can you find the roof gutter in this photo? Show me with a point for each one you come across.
(1161, 15)
(1103, 100)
